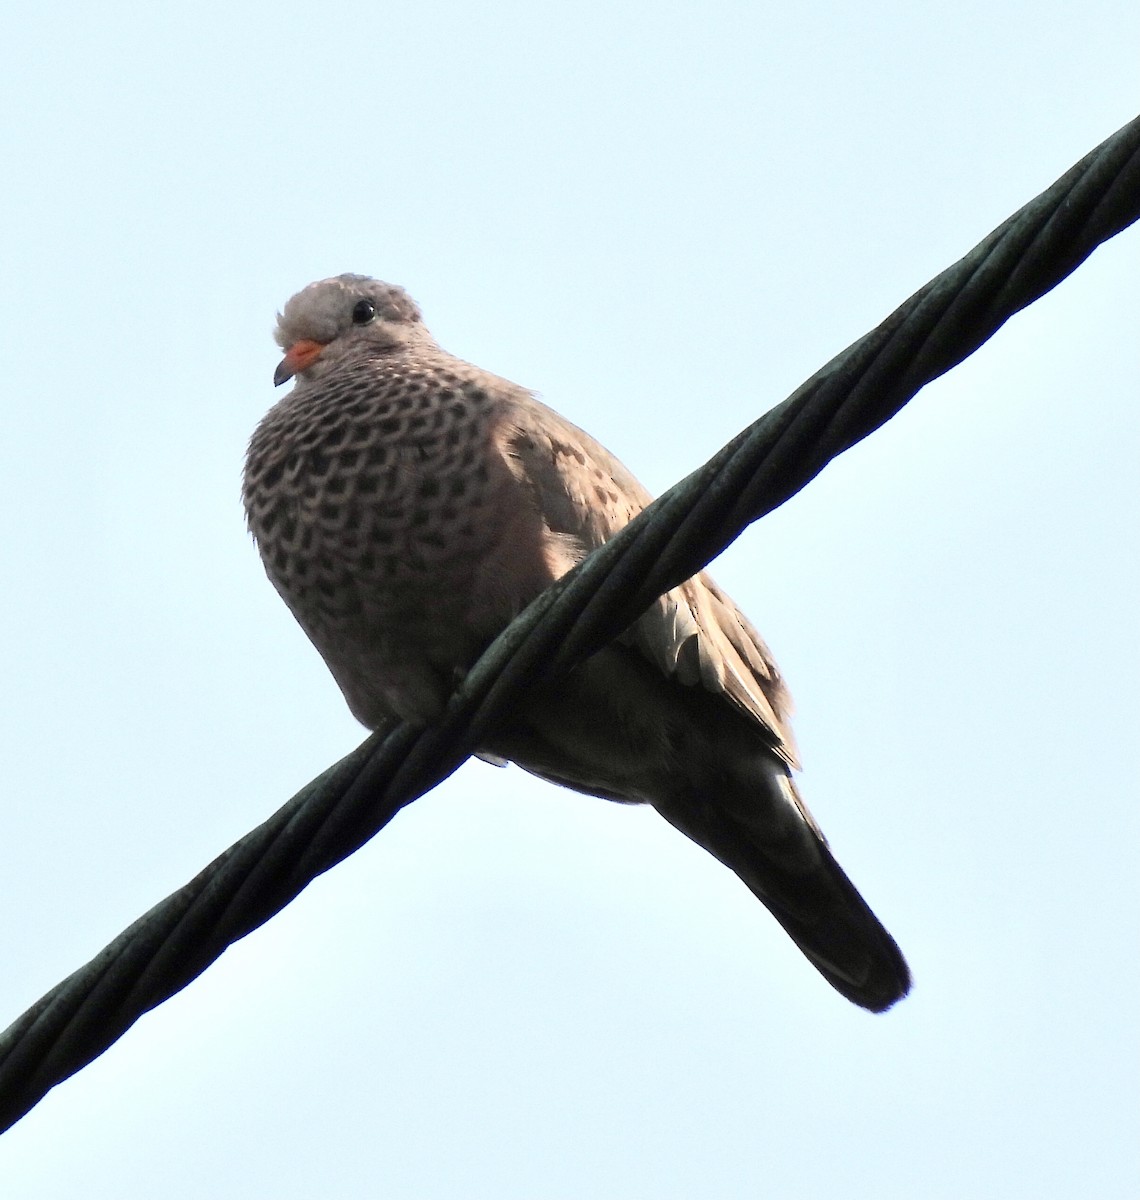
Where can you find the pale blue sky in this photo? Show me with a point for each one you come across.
(662, 218)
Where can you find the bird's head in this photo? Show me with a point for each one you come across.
(335, 317)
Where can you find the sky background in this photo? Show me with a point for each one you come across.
(662, 218)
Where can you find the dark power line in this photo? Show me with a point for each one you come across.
(758, 470)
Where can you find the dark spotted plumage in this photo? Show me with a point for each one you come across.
(407, 505)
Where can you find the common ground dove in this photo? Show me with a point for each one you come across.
(407, 505)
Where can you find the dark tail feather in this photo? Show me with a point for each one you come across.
(786, 863)
(617, 728)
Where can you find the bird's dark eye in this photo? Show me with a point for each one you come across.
(363, 312)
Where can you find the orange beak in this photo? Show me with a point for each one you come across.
(299, 355)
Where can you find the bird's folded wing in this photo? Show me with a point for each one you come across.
(693, 633)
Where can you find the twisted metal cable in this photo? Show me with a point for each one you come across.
(675, 537)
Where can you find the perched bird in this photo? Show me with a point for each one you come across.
(407, 505)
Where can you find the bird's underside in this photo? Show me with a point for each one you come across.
(407, 505)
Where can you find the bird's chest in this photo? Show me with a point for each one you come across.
(382, 512)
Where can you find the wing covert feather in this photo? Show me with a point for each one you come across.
(694, 633)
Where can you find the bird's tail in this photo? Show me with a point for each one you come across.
(771, 842)
(619, 729)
